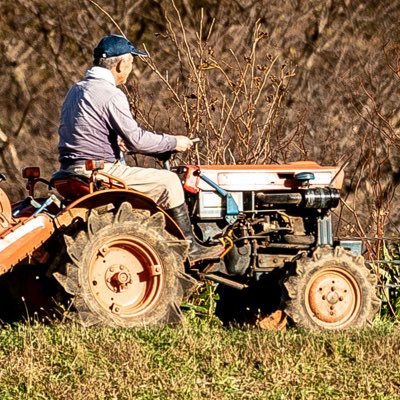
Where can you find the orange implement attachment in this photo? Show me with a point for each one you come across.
(23, 239)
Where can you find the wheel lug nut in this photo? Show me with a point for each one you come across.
(333, 288)
(341, 298)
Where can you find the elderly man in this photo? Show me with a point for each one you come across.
(96, 113)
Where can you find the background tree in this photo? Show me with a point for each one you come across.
(259, 81)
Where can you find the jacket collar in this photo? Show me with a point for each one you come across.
(100, 73)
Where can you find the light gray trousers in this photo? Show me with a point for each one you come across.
(163, 186)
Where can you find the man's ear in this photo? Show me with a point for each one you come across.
(118, 67)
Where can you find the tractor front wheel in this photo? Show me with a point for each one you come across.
(333, 290)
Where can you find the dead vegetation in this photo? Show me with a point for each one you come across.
(258, 82)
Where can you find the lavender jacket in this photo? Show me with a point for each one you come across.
(95, 112)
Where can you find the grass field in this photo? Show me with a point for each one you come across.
(199, 360)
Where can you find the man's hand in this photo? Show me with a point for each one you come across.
(183, 143)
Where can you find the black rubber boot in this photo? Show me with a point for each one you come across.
(197, 252)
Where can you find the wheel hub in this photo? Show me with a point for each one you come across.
(333, 297)
(126, 276)
(117, 278)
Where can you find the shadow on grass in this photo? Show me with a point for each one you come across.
(27, 293)
(249, 306)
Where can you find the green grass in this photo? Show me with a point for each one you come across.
(197, 361)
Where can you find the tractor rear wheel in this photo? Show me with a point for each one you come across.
(333, 290)
(127, 270)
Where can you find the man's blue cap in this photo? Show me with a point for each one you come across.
(116, 45)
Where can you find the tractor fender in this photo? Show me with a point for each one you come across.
(81, 207)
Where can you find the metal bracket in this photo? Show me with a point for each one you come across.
(325, 236)
(232, 209)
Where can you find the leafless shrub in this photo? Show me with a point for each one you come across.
(229, 98)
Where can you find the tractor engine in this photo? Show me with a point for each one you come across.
(265, 215)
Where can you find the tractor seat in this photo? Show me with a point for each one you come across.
(69, 185)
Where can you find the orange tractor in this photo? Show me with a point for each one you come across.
(120, 260)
